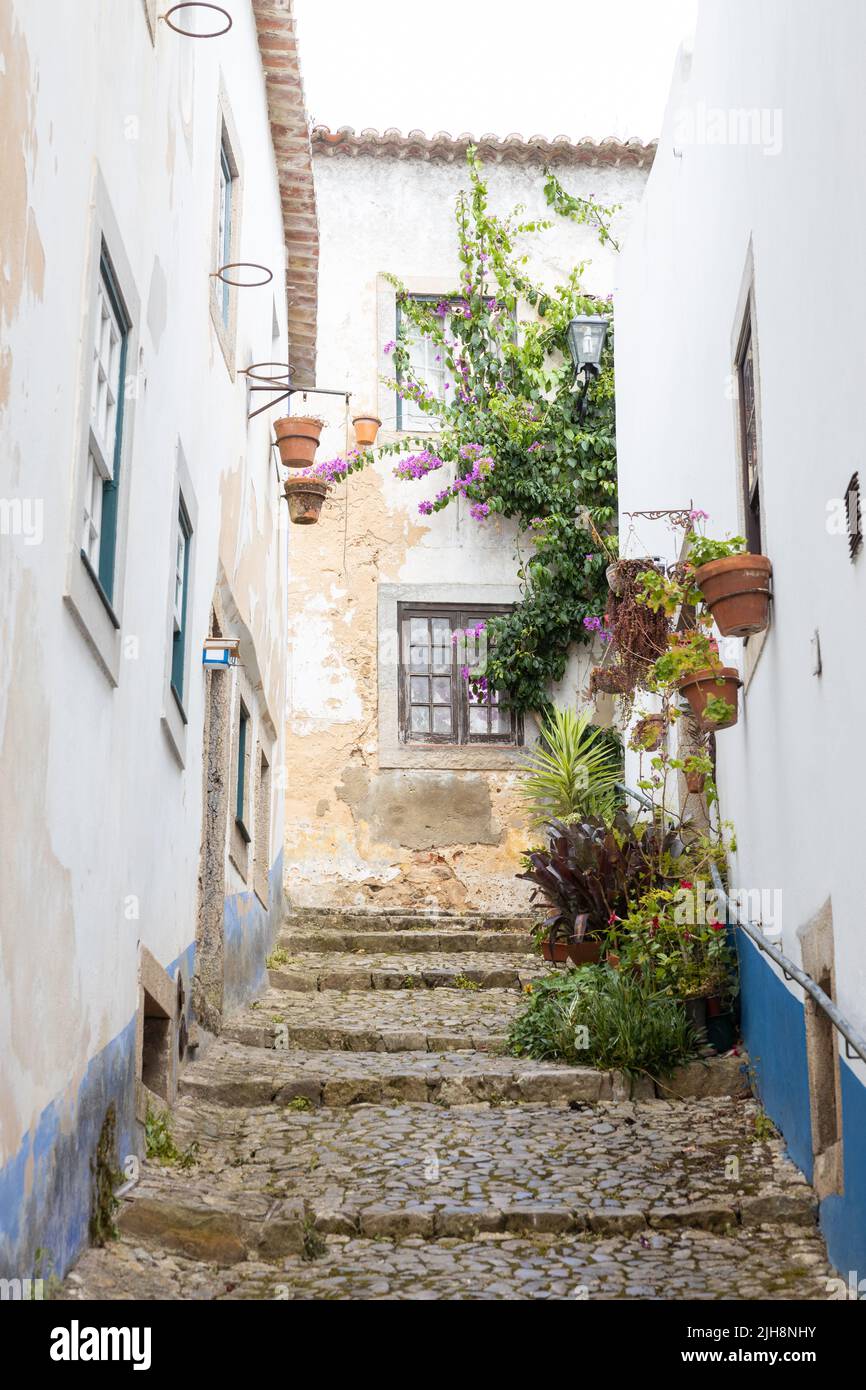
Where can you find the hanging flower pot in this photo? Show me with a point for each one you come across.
(305, 497)
(366, 428)
(736, 590)
(298, 439)
(614, 582)
(648, 733)
(702, 687)
(695, 782)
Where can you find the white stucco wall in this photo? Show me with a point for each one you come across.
(97, 810)
(791, 772)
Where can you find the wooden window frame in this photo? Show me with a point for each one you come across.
(460, 616)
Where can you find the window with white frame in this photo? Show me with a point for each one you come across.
(99, 520)
(224, 231)
(428, 366)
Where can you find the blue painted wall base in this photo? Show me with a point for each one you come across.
(774, 1031)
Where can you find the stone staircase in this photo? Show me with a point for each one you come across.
(360, 1133)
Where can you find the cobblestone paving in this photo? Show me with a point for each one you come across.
(381, 1021)
(385, 1149)
(314, 970)
(769, 1263)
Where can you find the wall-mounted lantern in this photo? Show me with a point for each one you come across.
(586, 336)
(221, 652)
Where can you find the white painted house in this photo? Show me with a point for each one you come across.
(745, 262)
(376, 818)
(141, 826)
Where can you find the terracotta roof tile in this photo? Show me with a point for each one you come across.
(392, 143)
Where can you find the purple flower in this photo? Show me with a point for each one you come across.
(389, 347)
(479, 510)
(425, 507)
(532, 448)
(698, 515)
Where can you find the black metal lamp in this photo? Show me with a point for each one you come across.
(586, 337)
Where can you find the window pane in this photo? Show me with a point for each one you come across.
(477, 720)
(442, 690)
(420, 656)
(418, 631)
(420, 719)
(442, 719)
(420, 689)
(500, 721)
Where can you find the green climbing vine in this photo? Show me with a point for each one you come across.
(509, 430)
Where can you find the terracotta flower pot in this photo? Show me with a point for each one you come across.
(695, 782)
(579, 952)
(305, 497)
(298, 439)
(737, 592)
(366, 429)
(699, 687)
(614, 583)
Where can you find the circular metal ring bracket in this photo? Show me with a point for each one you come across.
(197, 5)
(243, 284)
(281, 378)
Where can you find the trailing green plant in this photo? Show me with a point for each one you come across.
(574, 770)
(703, 549)
(510, 437)
(595, 1016)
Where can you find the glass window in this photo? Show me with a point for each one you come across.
(437, 703)
(181, 584)
(224, 249)
(428, 366)
(108, 366)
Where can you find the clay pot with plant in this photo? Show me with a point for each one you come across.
(734, 584)
(305, 497)
(298, 439)
(648, 733)
(691, 662)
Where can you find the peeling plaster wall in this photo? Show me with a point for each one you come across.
(358, 832)
(100, 825)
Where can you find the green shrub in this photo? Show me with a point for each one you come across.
(604, 1018)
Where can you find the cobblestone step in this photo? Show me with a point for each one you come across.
(376, 920)
(427, 939)
(404, 1171)
(312, 970)
(766, 1263)
(440, 1020)
(231, 1074)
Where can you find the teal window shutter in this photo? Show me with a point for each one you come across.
(240, 806)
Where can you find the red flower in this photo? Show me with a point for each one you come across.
(611, 919)
(655, 921)
(717, 926)
(687, 936)
(686, 883)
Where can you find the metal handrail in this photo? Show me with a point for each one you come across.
(855, 1043)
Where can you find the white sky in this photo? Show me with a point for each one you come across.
(537, 67)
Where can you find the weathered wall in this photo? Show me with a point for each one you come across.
(100, 827)
(727, 204)
(362, 827)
